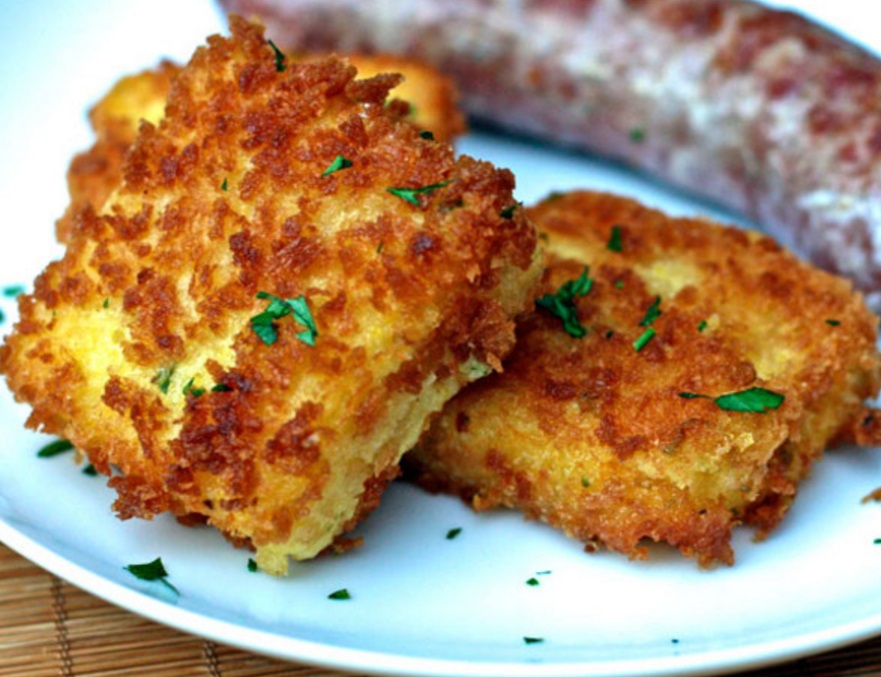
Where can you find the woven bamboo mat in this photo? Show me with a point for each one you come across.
(51, 628)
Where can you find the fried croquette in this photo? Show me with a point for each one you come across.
(430, 103)
(288, 282)
(676, 378)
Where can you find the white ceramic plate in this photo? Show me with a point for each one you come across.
(421, 604)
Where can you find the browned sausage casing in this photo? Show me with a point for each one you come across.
(758, 109)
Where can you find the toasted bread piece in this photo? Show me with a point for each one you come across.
(288, 282)
(624, 434)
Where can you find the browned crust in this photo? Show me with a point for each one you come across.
(593, 436)
(227, 197)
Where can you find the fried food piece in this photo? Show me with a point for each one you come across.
(431, 104)
(621, 435)
(287, 284)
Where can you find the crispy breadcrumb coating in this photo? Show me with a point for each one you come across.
(617, 436)
(264, 314)
(430, 99)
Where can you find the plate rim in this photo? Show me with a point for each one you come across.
(290, 648)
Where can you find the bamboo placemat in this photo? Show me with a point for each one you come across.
(49, 628)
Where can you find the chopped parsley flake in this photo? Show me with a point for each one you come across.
(264, 323)
(55, 448)
(342, 594)
(614, 244)
(644, 339)
(411, 195)
(13, 290)
(532, 581)
(190, 390)
(279, 57)
(2, 316)
(833, 323)
(252, 565)
(508, 212)
(533, 640)
(380, 247)
(224, 185)
(452, 533)
(221, 388)
(752, 400)
(562, 304)
(756, 400)
(652, 314)
(106, 303)
(702, 325)
(163, 378)
(339, 162)
(585, 482)
(426, 134)
(151, 571)
(637, 135)
(90, 470)
(877, 541)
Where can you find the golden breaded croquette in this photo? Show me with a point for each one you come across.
(93, 174)
(287, 284)
(631, 430)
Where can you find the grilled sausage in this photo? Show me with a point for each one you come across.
(758, 109)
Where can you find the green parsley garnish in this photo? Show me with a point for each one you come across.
(252, 565)
(190, 390)
(264, 323)
(90, 470)
(637, 135)
(13, 290)
(2, 316)
(55, 448)
(339, 162)
(151, 571)
(224, 185)
(752, 400)
(163, 378)
(652, 314)
(452, 533)
(644, 339)
(614, 244)
(411, 195)
(585, 482)
(508, 212)
(342, 593)
(702, 325)
(532, 581)
(380, 247)
(833, 323)
(279, 57)
(562, 304)
(533, 640)
(426, 134)
(106, 303)
(221, 388)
